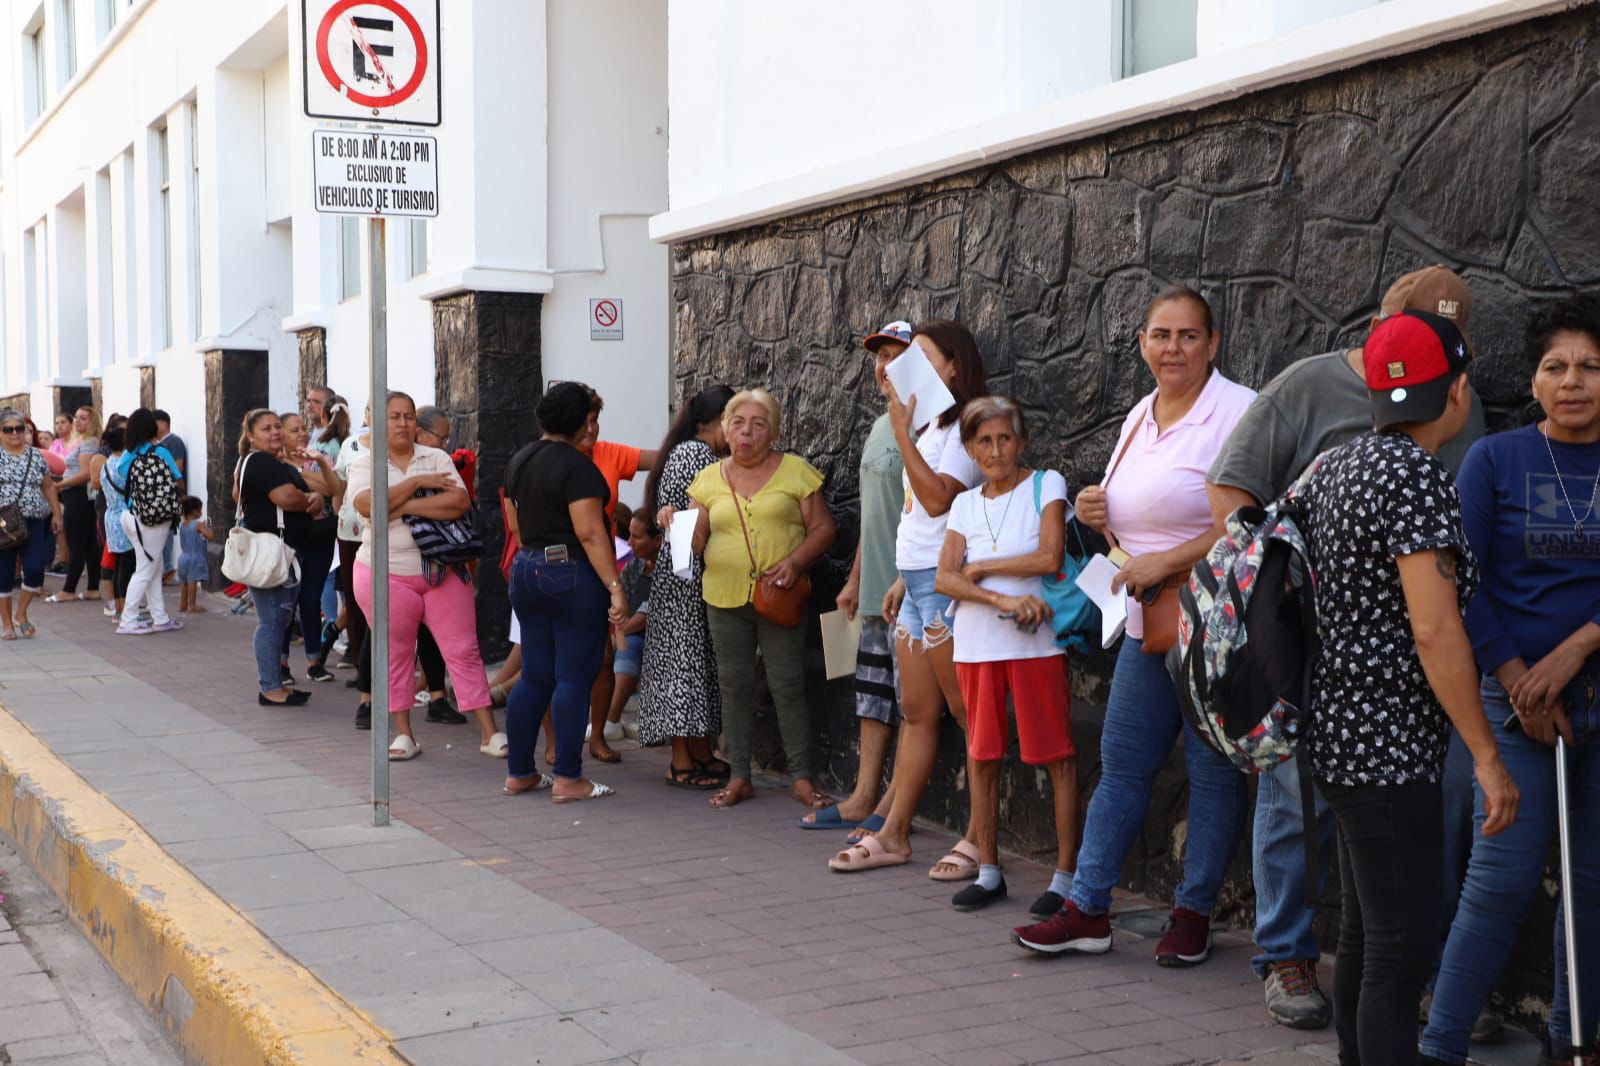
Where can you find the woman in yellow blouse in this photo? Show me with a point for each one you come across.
(761, 519)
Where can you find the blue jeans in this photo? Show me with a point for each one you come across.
(1505, 872)
(1142, 721)
(314, 564)
(1283, 921)
(330, 594)
(924, 613)
(35, 553)
(274, 609)
(561, 608)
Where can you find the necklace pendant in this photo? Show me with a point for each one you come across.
(995, 547)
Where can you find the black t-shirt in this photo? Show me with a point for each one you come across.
(542, 480)
(261, 474)
(1376, 719)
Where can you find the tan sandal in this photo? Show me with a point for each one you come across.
(964, 857)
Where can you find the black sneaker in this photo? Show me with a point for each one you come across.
(441, 711)
(318, 673)
(975, 897)
(1047, 905)
(345, 662)
(364, 716)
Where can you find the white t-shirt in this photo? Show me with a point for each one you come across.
(981, 635)
(921, 535)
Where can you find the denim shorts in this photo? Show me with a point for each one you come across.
(632, 654)
(924, 609)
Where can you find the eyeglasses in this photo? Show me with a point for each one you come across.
(13, 429)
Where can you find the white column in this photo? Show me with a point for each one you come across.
(125, 284)
(184, 297)
(69, 331)
(149, 270)
(100, 273)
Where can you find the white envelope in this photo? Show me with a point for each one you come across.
(912, 375)
(680, 539)
(841, 637)
(1095, 581)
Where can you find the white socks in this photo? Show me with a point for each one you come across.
(1061, 883)
(989, 877)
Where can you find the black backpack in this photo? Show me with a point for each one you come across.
(152, 490)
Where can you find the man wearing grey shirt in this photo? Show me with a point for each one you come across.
(1316, 404)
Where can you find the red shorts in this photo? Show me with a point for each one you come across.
(1038, 688)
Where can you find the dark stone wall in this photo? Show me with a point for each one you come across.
(68, 398)
(1291, 209)
(489, 377)
(21, 402)
(236, 382)
(313, 343)
(96, 394)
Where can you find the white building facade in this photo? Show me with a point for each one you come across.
(159, 241)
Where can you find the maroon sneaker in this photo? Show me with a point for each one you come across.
(1186, 940)
(1070, 930)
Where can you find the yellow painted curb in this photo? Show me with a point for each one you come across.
(224, 992)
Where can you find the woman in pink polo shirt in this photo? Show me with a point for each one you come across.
(1152, 504)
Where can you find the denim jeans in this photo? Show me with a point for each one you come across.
(314, 564)
(274, 609)
(562, 610)
(1505, 872)
(35, 553)
(1142, 720)
(330, 594)
(1390, 870)
(1283, 921)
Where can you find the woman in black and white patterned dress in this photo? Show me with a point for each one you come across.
(678, 695)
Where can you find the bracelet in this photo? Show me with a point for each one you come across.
(616, 583)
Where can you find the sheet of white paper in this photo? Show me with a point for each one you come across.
(841, 637)
(680, 539)
(1095, 581)
(912, 375)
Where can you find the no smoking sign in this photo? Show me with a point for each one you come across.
(372, 60)
(605, 319)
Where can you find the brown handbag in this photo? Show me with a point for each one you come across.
(780, 606)
(1160, 614)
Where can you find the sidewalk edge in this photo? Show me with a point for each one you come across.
(223, 992)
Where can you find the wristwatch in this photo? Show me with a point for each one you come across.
(616, 583)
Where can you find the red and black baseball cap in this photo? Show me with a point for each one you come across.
(1411, 360)
(897, 332)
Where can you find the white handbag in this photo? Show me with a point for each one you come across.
(259, 560)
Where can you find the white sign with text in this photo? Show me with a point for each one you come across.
(376, 174)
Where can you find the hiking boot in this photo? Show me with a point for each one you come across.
(1293, 996)
(441, 711)
(1186, 940)
(1069, 931)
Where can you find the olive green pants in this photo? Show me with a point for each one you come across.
(736, 633)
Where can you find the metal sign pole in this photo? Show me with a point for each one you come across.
(378, 624)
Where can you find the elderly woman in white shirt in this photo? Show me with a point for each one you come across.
(1003, 537)
(422, 481)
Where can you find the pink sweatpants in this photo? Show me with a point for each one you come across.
(448, 611)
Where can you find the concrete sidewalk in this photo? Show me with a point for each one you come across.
(643, 928)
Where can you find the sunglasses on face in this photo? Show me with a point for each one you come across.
(13, 429)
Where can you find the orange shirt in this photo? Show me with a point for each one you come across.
(617, 462)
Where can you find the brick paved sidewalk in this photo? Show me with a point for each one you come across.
(876, 965)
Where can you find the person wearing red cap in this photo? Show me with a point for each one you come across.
(1395, 672)
(1316, 404)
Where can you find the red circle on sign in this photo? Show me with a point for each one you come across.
(605, 313)
(325, 61)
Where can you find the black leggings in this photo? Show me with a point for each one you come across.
(1391, 872)
(355, 622)
(121, 573)
(427, 651)
(83, 546)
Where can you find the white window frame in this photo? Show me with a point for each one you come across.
(195, 306)
(420, 250)
(350, 247)
(36, 83)
(163, 232)
(66, 13)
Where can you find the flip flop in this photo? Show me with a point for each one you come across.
(830, 818)
(403, 748)
(8, 635)
(26, 630)
(496, 748)
(964, 856)
(63, 597)
(869, 854)
(544, 781)
(596, 791)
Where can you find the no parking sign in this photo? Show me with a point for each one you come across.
(372, 60)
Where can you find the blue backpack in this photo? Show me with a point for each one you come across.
(1074, 617)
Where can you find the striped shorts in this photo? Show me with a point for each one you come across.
(877, 686)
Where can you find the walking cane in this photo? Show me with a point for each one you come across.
(1569, 921)
(1568, 908)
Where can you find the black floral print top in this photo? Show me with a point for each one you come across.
(1376, 720)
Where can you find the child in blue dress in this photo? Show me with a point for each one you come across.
(193, 568)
